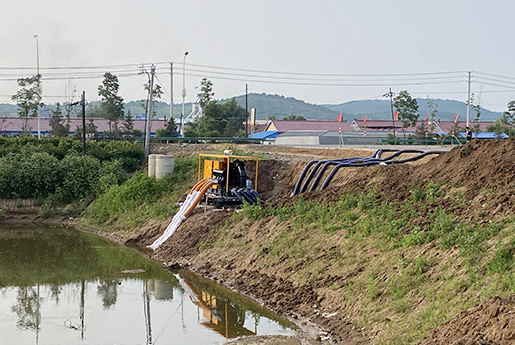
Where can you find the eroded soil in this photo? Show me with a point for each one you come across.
(481, 172)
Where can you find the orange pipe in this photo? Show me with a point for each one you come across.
(197, 185)
(202, 184)
(197, 200)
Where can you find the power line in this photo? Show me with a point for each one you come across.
(329, 74)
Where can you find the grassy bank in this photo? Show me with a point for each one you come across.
(126, 207)
(399, 269)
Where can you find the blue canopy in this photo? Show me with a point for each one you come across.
(264, 135)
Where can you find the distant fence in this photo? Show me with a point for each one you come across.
(445, 141)
(197, 140)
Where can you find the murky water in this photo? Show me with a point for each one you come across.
(61, 286)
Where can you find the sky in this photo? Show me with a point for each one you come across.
(318, 51)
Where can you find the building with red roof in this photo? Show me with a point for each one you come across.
(10, 126)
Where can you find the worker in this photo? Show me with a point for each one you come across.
(469, 133)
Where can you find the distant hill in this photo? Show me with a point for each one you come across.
(380, 109)
(8, 110)
(280, 106)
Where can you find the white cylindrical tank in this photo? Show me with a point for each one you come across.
(151, 165)
(164, 165)
(163, 290)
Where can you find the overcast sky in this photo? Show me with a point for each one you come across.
(330, 51)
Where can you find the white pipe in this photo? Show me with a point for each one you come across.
(177, 219)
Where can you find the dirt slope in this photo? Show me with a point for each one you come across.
(481, 172)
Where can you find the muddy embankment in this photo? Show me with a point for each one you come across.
(480, 172)
(315, 290)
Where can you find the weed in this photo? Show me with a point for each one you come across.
(372, 287)
(415, 237)
(501, 262)
(417, 194)
(433, 191)
(421, 265)
(254, 212)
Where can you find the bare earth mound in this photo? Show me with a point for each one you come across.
(481, 171)
(490, 323)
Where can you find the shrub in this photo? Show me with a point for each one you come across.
(79, 175)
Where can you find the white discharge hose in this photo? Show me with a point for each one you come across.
(189, 204)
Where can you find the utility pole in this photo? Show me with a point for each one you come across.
(149, 112)
(247, 109)
(171, 91)
(39, 85)
(468, 98)
(181, 129)
(390, 94)
(83, 103)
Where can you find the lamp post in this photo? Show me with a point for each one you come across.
(39, 85)
(181, 131)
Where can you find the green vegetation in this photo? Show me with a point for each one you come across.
(28, 98)
(141, 198)
(407, 109)
(407, 274)
(219, 120)
(54, 172)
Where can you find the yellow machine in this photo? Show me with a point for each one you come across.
(228, 173)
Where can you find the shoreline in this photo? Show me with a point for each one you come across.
(309, 333)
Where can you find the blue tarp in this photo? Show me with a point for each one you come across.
(264, 135)
(483, 135)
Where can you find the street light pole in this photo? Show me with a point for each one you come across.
(181, 131)
(171, 91)
(39, 85)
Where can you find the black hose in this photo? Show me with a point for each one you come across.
(375, 156)
(297, 189)
(248, 197)
(236, 192)
(253, 193)
(376, 162)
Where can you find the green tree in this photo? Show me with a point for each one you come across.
(27, 98)
(206, 93)
(128, 122)
(408, 110)
(219, 120)
(170, 129)
(508, 119)
(294, 118)
(91, 128)
(57, 123)
(93, 111)
(111, 105)
(498, 128)
(157, 93)
(506, 123)
(432, 110)
(476, 107)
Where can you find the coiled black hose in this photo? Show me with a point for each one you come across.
(374, 159)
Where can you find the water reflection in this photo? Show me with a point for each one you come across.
(88, 299)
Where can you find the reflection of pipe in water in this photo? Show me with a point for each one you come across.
(82, 304)
(146, 310)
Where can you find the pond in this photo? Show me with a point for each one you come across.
(62, 286)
